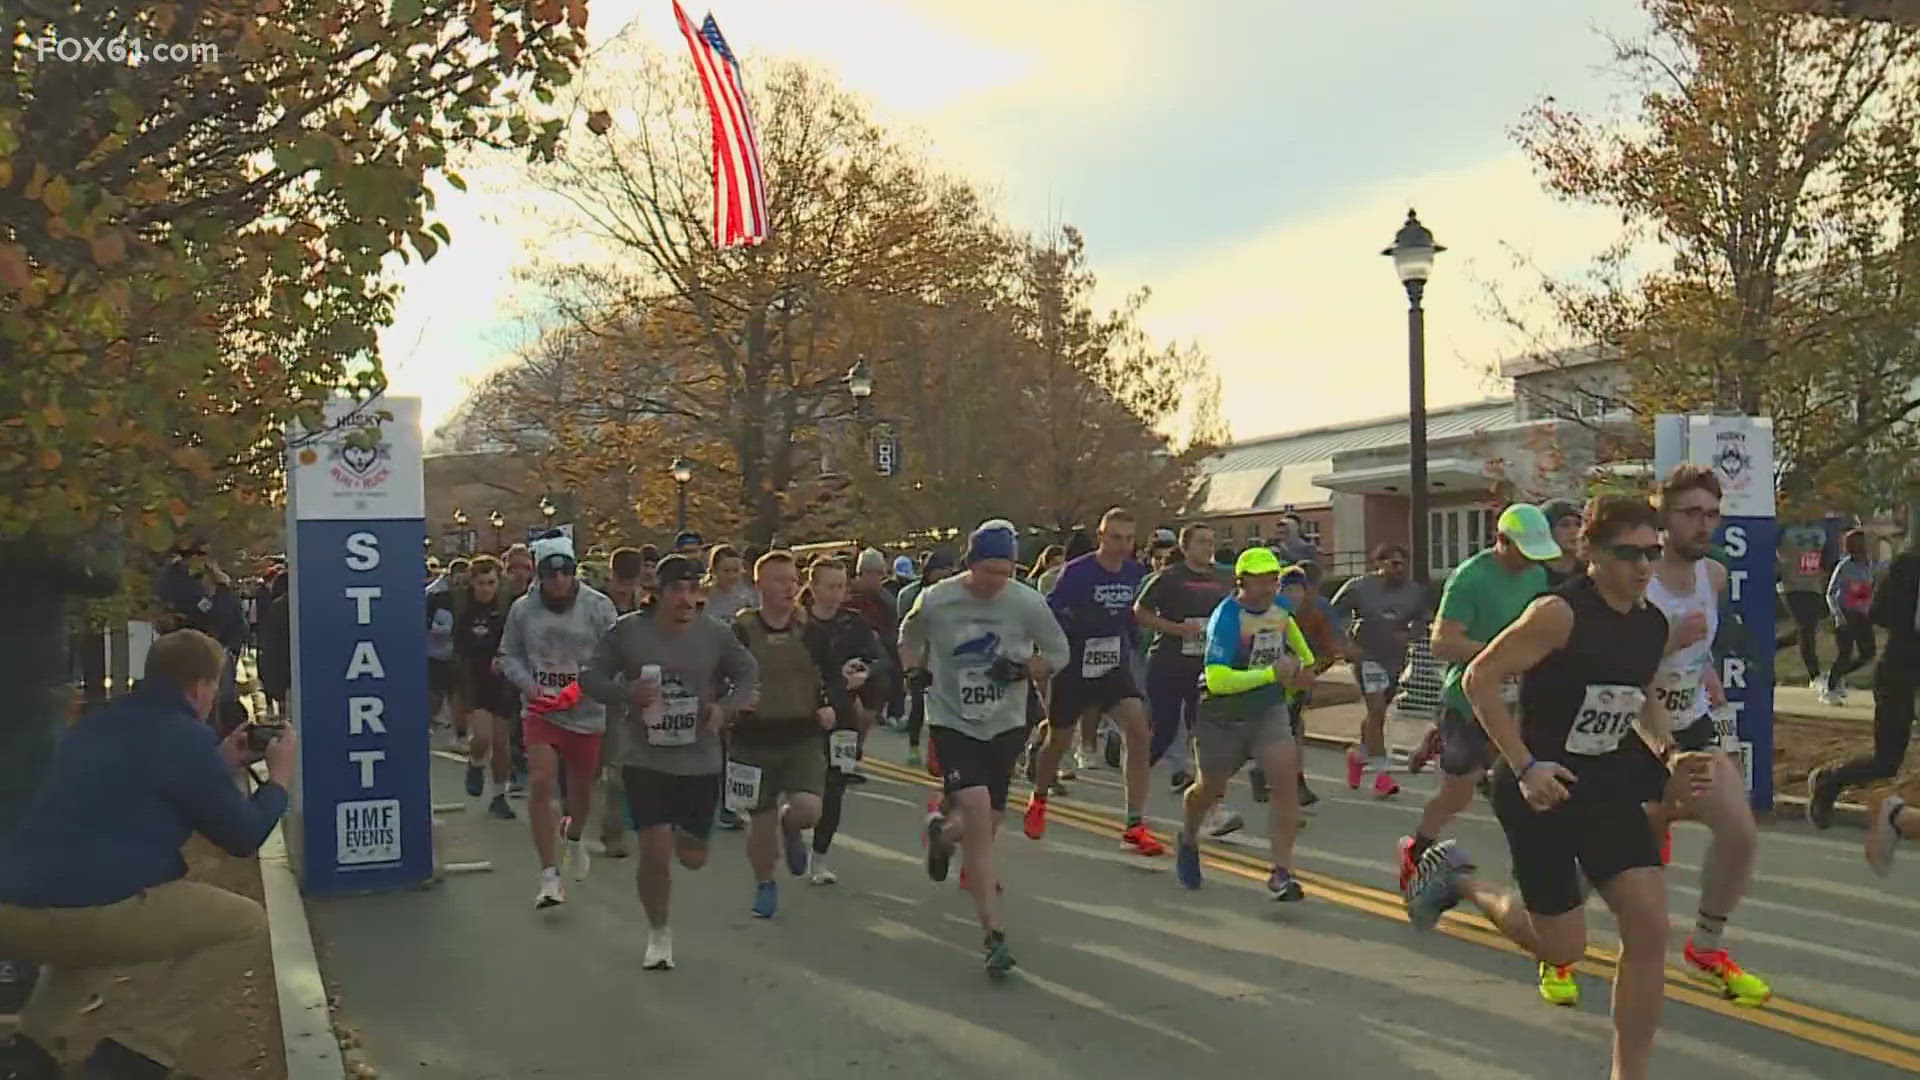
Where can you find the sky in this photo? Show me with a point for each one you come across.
(1245, 160)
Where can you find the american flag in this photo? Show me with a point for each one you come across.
(739, 189)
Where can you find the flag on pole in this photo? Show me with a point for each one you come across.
(739, 190)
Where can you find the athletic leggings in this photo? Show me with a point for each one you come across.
(830, 802)
(916, 716)
(1173, 701)
(1894, 689)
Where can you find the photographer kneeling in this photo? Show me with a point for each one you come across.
(92, 880)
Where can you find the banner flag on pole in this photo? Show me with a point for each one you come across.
(739, 188)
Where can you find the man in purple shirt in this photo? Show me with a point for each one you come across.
(1093, 599)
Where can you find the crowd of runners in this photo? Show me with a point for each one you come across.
(721, 688)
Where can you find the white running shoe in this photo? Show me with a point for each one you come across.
(1883, 836)
(659, 950)
(552, 891)
(574, 860)
(1081, 761)
(821, 874)
(1223, 822)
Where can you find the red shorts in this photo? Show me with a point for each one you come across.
(579, 752)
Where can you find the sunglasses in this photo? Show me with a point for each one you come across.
(1631, 552)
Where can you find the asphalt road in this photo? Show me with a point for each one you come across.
(1123, 974)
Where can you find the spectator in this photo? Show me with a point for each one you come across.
(1291, 544)
(92, 880)
(1896, 682)
(1849, 598)
(276, 645)
(1803, 582)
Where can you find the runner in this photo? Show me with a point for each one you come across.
(628, 593)
(442, 669)
(847, 653)
(1565, 517)
(1892, 821)
(675, 677)
(728, 591)
(625, 588)
(935, 568)
(1688, 587)
(868, 598)
(777, 755)
(1300, 589)
(1093, 599)
(1175, 604)
(519, 582)
(549, 636)
(973, 640)
(1573, 773)
(1849, 598)
(1255, 654)
(480, 617)
(1483, 594)
(1896, 684)
(1382, 607)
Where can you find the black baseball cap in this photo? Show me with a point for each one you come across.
(677, 568)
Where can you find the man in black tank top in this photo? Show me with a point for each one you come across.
(1573, 773)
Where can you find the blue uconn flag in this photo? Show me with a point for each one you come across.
(356, 505)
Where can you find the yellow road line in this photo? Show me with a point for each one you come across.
(1848, 1034)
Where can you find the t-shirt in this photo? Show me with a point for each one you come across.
(1184, 595)
(1486, 597)
(960, 634)
(1382, 615)
(1095, 608)
(1802, 563)
(701, 664)
(1245, 641)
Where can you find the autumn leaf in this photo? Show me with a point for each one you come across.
(599, 121)
(13, 267)
(109, 247)
(177, 510)
(50, 460)
(483, 19)
(53, 416)
(57, 195)
(577, 14)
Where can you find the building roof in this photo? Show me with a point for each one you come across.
(1276, 471)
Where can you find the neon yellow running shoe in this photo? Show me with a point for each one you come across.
(1557, 986)
(1715, 968)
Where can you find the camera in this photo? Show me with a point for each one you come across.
(261, 736)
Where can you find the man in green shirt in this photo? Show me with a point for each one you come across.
(1482, 596)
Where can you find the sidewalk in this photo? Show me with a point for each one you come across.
(1803, 701)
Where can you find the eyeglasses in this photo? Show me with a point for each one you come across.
(1698, 513)
(1631, 552)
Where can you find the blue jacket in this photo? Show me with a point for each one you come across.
(129, 784)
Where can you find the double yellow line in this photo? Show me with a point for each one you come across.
(1848, 1034)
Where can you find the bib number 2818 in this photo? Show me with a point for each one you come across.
(1605, 716)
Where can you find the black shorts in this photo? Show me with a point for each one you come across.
(485, 690)
(969, 762)
(442, 678)
(1701, 736)
(1075, 698)
(1601, 832)
(1465, 746)
(685, 802)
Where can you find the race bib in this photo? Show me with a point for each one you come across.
(979, 694)
(678, 723)
(555, 675)
(743, 787)
(1605, 716)
(843, 749)
(1726, 725)
(1101, 655)
(1809, 562)
(1267, 647)
(1195, 646)
(1679, 694)
(1373, 677)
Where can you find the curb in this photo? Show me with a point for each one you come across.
(1785, 807)
(306, 1022)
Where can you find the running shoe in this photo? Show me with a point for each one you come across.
(821, 874)
(1407, 868)
(1384, 786)
(500, 808)
(1821, 795)
(1257, 780)
(574, 860)
(1081, 760)
(614, 845)
(1139, 840)
(1222, 822)
(1110, 747)
(766, 900)
(1057, 788)
(1034, 823)
(1666, 846)
(552, 892)
(1883, 835)
(728, 820)
(476, 780)
(1186, 862)
(1715, 968)
(1181, 781)
(856, 776)
(1284, 887)
(1356, 767)
(1430, 746)
(1557, 986)
(796, 852)
(659, 951)
(999, 958)
(913, 757)
(1307, 797)
(1435, 889)
(939, 851)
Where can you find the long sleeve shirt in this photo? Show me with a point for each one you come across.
(542, 652)
(958, 635)
(701, 664)
(1850, 589)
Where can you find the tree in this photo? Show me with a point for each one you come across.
(194, 229)
(1771, 164)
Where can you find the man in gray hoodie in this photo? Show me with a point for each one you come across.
(549, 636)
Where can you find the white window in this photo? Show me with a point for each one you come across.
(1226, 530)
(1310, 531)
(1253, 530)
(1454, 534)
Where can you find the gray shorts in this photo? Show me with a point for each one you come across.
(1465, 746)
(1224, 743)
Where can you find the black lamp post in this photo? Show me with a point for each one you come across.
(499, 521)
(682, 470)
(860, 385)
(547, 510)
(1413, 251)
(460, 531)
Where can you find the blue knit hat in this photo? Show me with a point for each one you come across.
(993, 540)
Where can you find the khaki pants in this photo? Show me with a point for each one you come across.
(204, 933)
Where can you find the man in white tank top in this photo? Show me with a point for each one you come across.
(1687, 587)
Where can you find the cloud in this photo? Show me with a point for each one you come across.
(1306, 323)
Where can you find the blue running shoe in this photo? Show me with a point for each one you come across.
(766, 900)
(796, 852)
(499, 808)
(476, 780)
(1435, 889)
(1186, 861)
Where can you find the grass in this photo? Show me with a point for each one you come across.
(1789, 671)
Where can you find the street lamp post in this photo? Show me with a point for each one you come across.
(860, 385)
(460, 531)
(1412, 252)
(682, 470)
(547, 510)
(499, 521)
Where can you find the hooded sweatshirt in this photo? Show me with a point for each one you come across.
(543, 651)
